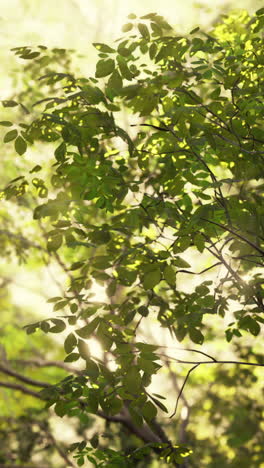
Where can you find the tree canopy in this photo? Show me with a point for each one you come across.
(151, 186)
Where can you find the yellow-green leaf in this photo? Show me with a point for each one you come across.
(127, 27)
(143, 30)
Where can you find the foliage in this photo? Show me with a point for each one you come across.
(133, 207)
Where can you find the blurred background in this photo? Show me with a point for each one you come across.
(27, 279)
(78, 23)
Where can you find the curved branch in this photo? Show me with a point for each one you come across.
(182, 388)
(43, 363)
(215, 361)
(226, 228)
(22, 389)
(27, 380)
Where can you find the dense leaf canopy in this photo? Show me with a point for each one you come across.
(152, 187)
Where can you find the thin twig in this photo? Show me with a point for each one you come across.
(226, 228)
(182, 388)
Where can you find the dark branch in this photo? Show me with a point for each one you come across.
(226, 228)
(27, 380)
(22, 389)
(182, 388)
(43, 363)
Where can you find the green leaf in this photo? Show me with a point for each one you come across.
(196, 336)
(94, 440)
(143, 310)
(60, 152)
(54, 243)
(111, 288)
(20, 145)
(260, 12)
(80, 461)
(54, 299)
(249, 324)
(60, 305)
(153, 50)
(60, 408)
(83, 350)
(199, 242)
(104, 68)
(59, 326)
(193, 31)
(45, 326)
(77, 265)
(9, 136)
(151, 279)
(147, 365)
(160, 405)
(30, 56)
(169, 274)
(149, 411)
(9, 103)
(72, 357)
(124, 70)
(36, 168)
(127, 27)
(132, 381)
(144, 30)
(179, 262)
(103, 48)
(74, 308)
(70, 343)
(135, 416)
(115, 81)
(87, 330)
(92, 370)
(6, 123)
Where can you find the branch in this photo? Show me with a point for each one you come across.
(184, 422)
(43, 363)
(193, 351)
(22, 239)
(236, 144)
(163, 129)
(182, 388)
(226, 228)
(22, 389)
(199, 272)
(215, 361)
(62, 453)
(144, 433)
(27, 380)
(24, 466)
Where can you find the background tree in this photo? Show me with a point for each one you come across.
(138, 207)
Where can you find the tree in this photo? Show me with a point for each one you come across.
(139, 206)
